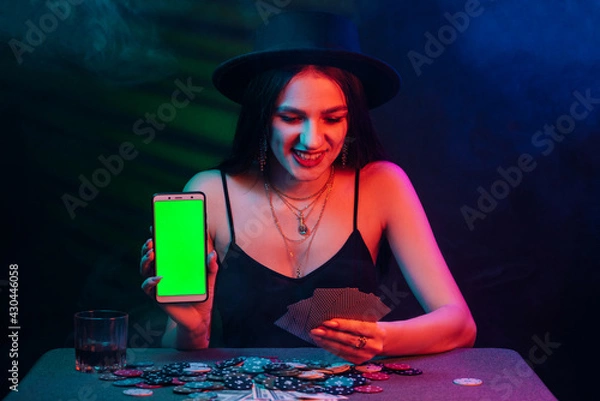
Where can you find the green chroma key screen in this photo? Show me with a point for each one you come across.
(179, 232)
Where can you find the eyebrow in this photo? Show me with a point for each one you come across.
(290, 109)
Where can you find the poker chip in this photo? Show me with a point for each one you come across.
(127, 382)
(198, 367)
(239, 383)
(274, 366)
(157, 378)
(175, 381)
(286, 373)
(396, 366)
(128, 372)
(261, 378)
(255, 369)
(187, 378)
(175, 369)
(369, 389)
(311, 375)
(206, 385)
(338, 368)
(287, 383)
(410, 372)
(215, 376)
(150, 369)
(298, 365)
(204, 396)
(379, 376)
(148, 386)
(110, 377)
(178, 365)
(138, 392)
(358, 379)
(184, 390)
(173, 372)
(218, 386)
(254, 360)
(309, 388)
(339, 381)
(369, 367)
(339, 390)
(196, 371)
(468, 381)
(187, 372)
(270, 383)
(230, 362)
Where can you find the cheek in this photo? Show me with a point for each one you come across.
(282, 133)
(279, 139)
(339, 136)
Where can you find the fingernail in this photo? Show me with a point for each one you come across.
(318, 332)
(331, 323)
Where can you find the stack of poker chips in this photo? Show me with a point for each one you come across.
(265, 378)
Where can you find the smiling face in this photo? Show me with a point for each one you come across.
(309, 126)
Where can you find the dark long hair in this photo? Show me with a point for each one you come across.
(258, 106)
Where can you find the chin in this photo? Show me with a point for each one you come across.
(311, 173)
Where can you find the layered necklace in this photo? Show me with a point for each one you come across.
(301, 214)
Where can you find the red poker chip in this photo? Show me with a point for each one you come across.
(378, 376)
(397, 366)
(370, 389)
(177, 382)
(148, 386)
(128, 372)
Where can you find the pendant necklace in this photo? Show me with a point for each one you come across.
(309, 233)
(300, 212)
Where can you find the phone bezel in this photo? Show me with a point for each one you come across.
(174, 197)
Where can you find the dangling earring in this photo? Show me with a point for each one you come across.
(344, 154)
(262, 153)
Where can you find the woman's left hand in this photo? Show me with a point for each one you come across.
(354, 340)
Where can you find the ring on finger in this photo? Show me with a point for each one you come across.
(362, 341)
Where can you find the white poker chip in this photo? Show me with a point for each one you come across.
(197, 367)
(138, 392)
(467, 381)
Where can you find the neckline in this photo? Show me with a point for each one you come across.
(314, 272)
(230, 213)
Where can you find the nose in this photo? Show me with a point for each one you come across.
(311, 136)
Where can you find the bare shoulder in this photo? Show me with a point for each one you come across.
(209, 182)
(385, 175)
(205, 181)
(389, 191)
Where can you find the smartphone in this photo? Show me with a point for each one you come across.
(179, 233)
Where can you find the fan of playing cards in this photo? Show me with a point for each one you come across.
(329, 303)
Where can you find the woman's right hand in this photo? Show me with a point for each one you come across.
(191, 316)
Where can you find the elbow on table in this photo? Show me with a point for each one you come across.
(468, 333)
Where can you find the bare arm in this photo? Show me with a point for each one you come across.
(188, 325)
(447, 322)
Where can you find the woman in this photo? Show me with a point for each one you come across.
(306, 200)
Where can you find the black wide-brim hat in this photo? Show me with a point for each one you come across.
(303, 38)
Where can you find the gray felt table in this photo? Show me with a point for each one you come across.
(505, 375)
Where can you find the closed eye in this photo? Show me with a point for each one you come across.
(334, 120)
(289, 119)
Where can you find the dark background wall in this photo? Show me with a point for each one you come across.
(86, 97)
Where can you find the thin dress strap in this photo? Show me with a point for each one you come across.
(356, 178)
(228, 205)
